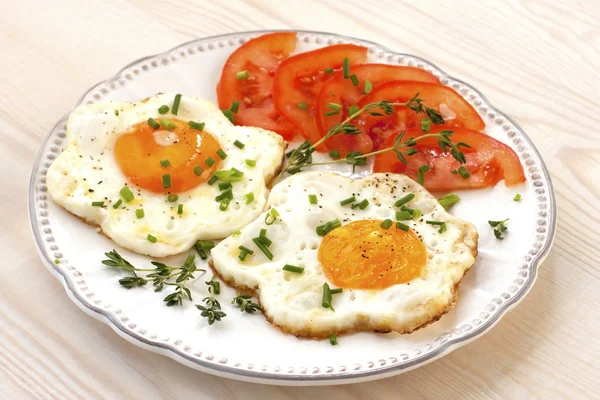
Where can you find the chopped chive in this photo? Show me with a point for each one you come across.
(224, 185)
(167, 123)
(448, 200)
(251, 163)
(117, 204)
(249, 197)
(153, 124)
(400, 225)
(163, 109)
(117, 113)
(209, 162)
(346, 67)
(239, 144)
(226, 194)
(180, 209)
(312, 198)
(229, 175)
(236, 172)
(172, 198)
(236, 233)
(334, 106)
(330, 113)
(441, 224)
(199, 126)
(271, 216)
(139, 213)
(235, 105)
(224, 204)
(56, 261)
(200, 250)
(407, 209)
(324, 229)
(229, 115)
(293, 268)
(464, 173)
(326, 300)
(206, 245)
(422, 170)
(125, 192)
(97, 203)
(368, 86)
(417, 213)
(302, 105)
(354, 79)
(337, 291)
(517, 197)
(404, 200)
(151, 238)
(403, 216)
(198, 170)
(386, 224)
(222, 155)
(244, 251)
(334, 154)
(353, 110)
(261, 246)
(363, 204)
(263, 237)
(333, 340)
(329, 70)
(242, 75)
(212, 180)
(166, 180)
(348, 201)
(165, 163)
(425, 125)
(176, 101)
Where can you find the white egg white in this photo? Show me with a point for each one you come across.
(293, 301)
(87, 171)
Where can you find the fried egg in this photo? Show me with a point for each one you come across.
(391, 248)
(158, 181)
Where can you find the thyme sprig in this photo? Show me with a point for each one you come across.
(211, 310)
(245, 304)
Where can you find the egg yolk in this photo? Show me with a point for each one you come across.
(363, 255)
(146, 154)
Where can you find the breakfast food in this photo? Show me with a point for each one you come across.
(391, 248)
(158, 175)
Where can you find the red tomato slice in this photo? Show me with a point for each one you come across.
(300, 78)
(261, 58)
(488, 161)
(455, 110)
(342, 91)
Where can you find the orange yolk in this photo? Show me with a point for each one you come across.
(363, 255)
(139, 154)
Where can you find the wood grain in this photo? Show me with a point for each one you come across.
(535, 60)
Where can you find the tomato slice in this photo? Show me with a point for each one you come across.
(455, 110)
(488, 161)
(261, 58)
(300, 78)
(342, 91)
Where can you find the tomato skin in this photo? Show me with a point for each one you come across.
(300, 78)
(379, 128)
(342, 91)
(488, 161)
(260, 56)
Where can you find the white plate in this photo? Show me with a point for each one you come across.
(245, 346)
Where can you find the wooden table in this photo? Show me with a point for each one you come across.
(536, 60)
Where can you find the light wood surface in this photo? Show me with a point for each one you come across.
(536, 60)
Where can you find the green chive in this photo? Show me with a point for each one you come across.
(172, 198)
(448, 200)
(326, 301)
(417, 213)
(235, 105)
(167, 123)
(151, 238)
(333, 340)
(422, 170)
(324, 229)
(407, 209)
(302, 106)
(117, 113)
(251, 163)
(97, 203)
(166, 180)
(176, 101)
(239, 144)
(229, 175)
(165, 163)
(226, 194)
(368, 86)
(224, 205)
(139, 213)
(348, 201)
(337, 291)
(293, 268)
(262, 236)
(517, 197)
(363, 204)
(330, 113)
(242, 75)
(199, 126)
(263, 248)
(441, 224)
(386, 224)
(244, 251)
(163, 109)
(212, 180)
(209, 162)
(346, 68)
(271, 216)
(353, 110)
(404, 200)
(180, 209)
(464, 173)
(200, 252)
(222, 155)
(249, 197)
(198, 170)
(400, 225)
(312, 198)
(425, 125)
(229, 116)
(334, 154)
(153, 124)
(403, 215)
(224, 185)
(354, 79)
(334, 106)
(236, 233)
(205, 245)
(56, 261)
(329, 70)
(125, 192)
(117, 204)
